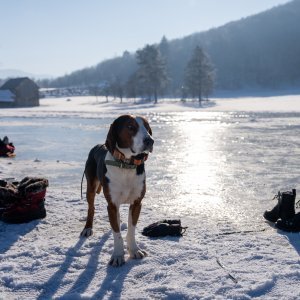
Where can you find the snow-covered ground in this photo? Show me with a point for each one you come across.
(216, 168)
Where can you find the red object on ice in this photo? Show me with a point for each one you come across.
(7, 150)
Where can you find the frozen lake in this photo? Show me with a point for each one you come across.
(201, 160)
(216, 171)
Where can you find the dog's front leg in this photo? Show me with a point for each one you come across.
(117, 258)
(92, 188)
(133, 216)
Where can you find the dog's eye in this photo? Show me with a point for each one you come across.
(130, 127)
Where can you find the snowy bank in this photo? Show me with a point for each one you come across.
(89, 104)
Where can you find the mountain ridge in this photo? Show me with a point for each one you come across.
(261, 50)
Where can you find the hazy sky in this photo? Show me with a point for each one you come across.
(56, 37)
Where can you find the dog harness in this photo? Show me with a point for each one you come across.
(122, 162)
(98, 154)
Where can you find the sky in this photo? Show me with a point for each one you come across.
(56, 37)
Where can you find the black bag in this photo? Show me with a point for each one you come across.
(164, 228)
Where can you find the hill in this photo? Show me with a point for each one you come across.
(260, 51)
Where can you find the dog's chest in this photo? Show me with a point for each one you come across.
(125, 186)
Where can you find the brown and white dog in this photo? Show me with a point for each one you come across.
(118, 167)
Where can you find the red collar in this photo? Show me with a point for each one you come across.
(135, 160)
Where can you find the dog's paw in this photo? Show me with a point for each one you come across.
(117, 260)
(137, 253)
(86, 232)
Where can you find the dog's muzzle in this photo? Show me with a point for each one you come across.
(148, 144)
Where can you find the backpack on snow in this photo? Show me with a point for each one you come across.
(7, 149)
(24, 201)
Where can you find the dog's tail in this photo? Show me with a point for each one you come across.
(82, 183)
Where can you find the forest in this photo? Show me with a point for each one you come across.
(260, 51)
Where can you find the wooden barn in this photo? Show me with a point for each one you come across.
(19, 92)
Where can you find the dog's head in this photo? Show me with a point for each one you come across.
(131, 135)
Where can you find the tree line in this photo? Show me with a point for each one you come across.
(149, 78)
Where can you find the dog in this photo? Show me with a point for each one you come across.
(118, 167)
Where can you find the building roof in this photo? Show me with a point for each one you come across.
(6, 96)
(12, 84)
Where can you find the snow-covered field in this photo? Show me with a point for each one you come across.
(216, 168)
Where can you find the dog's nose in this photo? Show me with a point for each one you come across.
(148, 142)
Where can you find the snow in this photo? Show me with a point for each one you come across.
(215, 167)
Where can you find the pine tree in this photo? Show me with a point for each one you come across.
(164, 49)
(151, 74)
(199, 75)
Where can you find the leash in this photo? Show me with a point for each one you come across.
(242, 231)
(81, 183)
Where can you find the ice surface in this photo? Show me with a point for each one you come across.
(216, 170)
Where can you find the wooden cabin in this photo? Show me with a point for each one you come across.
(19, 92)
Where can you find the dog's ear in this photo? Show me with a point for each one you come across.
(150, 130)
(111, 139)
